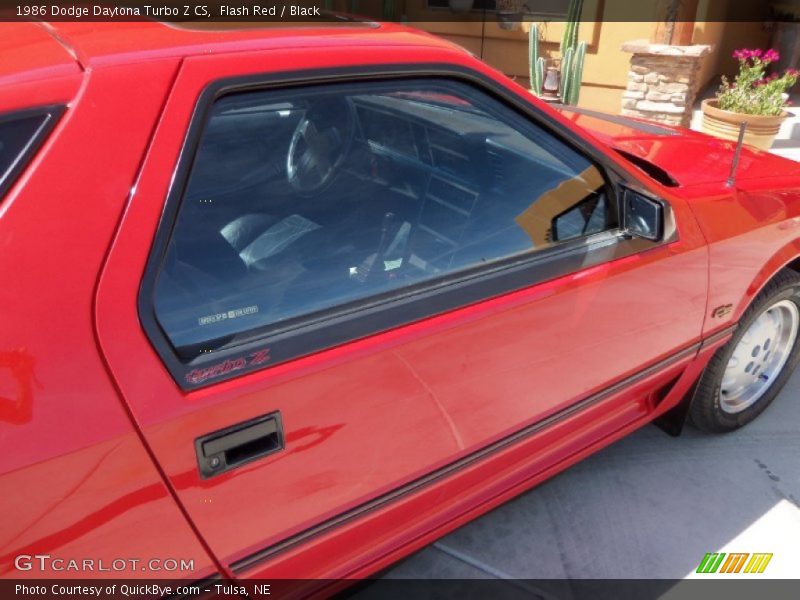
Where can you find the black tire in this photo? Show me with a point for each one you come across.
(705, 411)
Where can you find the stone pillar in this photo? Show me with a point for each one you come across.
(662, 82)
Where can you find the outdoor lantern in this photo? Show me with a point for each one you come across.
(551, 83)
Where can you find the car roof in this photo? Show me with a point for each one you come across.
(29, 53)
(96, 44)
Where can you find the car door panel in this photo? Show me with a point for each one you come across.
(373, 536)
(491, 387)
(366, 418)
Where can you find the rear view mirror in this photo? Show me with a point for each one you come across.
(642, 216)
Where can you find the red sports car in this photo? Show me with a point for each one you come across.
(295, 302)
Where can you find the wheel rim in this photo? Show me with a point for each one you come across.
(759, 357)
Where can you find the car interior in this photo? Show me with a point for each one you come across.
(341, 194)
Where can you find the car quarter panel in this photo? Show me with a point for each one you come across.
(77, 481)
(753, 231)
(366, 417)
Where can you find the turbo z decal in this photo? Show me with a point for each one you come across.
(201, 374)
(722, 311)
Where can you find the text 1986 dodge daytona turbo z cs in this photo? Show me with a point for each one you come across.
(295, 302)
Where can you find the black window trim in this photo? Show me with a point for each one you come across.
(343, 324)
(52, 114)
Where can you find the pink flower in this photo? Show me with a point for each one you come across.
(771, 55)
(744, 54)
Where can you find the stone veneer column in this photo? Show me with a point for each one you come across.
(662, 82)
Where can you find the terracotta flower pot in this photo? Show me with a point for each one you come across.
(509, 20)
(761, 130)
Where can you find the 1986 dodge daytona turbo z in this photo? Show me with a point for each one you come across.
(294, 302)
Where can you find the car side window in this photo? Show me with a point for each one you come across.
(21, 134)
(323, 198)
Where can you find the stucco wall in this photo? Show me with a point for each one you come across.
(606, 67)
(603, 28)
(725, 36)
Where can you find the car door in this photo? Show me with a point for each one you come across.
(338, 285)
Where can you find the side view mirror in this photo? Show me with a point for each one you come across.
(642, 217)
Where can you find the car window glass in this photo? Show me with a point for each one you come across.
(335, 196)
(17, 134)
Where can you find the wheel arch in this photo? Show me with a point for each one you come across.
(794, 265)
(787, 257)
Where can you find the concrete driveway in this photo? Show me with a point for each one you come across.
(649, 506)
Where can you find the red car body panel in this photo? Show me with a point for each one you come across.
(436, 409)
(754, 233)
(36, 68)
(452, 384)
(751, 227)
(75, 477)
(691, 158)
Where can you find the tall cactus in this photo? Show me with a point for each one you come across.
(577, 74)
(567, 74)
(540, 70)
(570, 37)
(535, 62)
(573, 55)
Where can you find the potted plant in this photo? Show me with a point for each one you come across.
(559, 79)
(508, 14)
(754, 98)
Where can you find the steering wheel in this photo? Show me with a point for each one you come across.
(320, 142)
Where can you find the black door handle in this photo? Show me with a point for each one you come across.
(234, 446)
